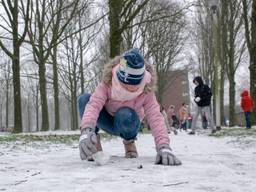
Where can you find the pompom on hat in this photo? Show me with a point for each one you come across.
(132, 67)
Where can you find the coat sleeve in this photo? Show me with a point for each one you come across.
(94, 106)
(155, 120)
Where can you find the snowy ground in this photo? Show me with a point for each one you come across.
(209, 164)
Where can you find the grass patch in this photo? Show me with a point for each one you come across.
(52, 138)
(235, 132)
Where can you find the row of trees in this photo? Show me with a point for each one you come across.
(54, 50)
(222, 38)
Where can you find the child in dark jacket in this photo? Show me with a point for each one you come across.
(203, 96)
(246, 105)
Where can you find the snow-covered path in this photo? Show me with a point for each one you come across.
(209, 164)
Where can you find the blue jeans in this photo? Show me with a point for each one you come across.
(248, 119)
(125, 123)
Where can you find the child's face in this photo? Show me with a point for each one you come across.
(131, 88)
(196, 83)
(172, 109)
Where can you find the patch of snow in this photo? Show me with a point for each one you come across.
(209, 164)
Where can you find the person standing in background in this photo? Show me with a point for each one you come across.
(203, 96)
(246, 104)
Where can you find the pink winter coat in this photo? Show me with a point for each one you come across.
(144, 105)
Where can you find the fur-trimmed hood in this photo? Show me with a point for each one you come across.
(107, 74)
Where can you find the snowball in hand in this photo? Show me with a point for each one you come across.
(197, 99)
(100, 158)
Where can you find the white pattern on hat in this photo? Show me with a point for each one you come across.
(128, 70)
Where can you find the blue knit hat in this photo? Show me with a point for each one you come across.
(132, 67)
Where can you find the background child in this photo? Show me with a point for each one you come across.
(183, 115)
(190, 119)
(170, 113)
(202, 99)
(246, 105)
(169, 127)
(118, 105)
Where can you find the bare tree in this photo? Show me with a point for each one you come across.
(6, 82)
(205, 41)
(250, 35)
(235, 49)
(73, 67)
(14, 11)
(7, 79)
(220, 42)
(45, 30)
(121, 14)
(165, 39)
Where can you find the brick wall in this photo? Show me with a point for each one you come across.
(177, 90)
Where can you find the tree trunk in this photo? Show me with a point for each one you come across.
(232, 91)
(231, 64)
(232, 102)
(7, 106)
(81, 66)
(74, 111)
(28, 114)
(37, 108)
(222, 92)
(213, 100)
(223, 55)
(217, 71)
(16, 87)
(1, 117)
(128, 43)
(43, 94)
(16, 72)
(253, 59)
(115, 36)
(253, 84)
(75, 103)
(73, 117)
(250, 36)
(56, 89)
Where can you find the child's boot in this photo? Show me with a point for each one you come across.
(130, 149)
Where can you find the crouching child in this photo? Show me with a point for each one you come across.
(120, 101)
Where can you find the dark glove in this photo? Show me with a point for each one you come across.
(87, 142)
(165, 156)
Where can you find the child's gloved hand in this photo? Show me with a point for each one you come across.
(197, 99)
(87, 142)
(166, 157)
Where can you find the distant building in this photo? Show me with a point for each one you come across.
(177, 90)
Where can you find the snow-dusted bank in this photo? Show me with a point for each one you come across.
(209, 164)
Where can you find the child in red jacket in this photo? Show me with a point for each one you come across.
(246, 105)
